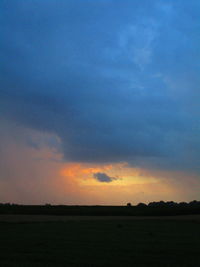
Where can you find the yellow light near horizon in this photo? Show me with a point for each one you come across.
(125, 176)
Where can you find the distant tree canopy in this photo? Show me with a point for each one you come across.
(141, 205)
(160, 208)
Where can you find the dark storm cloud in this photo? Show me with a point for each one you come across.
(114, 80)
(103, 177)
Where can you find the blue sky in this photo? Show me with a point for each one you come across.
(114, 81)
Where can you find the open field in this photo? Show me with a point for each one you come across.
(99, 241)
(60, 218)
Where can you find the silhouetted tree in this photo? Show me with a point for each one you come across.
(141, 205)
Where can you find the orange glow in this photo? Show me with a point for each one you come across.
(77, 170)
(83, 173)
(132, 184)
(38, 176)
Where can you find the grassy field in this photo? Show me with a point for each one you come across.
(101, 243)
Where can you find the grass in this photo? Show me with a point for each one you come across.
(101, 243)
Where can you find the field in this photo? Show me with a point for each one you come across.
(41, 241)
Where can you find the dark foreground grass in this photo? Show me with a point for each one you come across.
(101, 243)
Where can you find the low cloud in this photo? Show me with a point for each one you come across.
(103, 177)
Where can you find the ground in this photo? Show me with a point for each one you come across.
(99, 242)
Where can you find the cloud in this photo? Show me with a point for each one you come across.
(101, 96)
(103, 177)
(37, 175)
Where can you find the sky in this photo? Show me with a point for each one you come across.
(99, 101)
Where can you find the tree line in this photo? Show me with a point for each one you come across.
(160, 208)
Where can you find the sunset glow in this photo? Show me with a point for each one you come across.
(99, 102)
